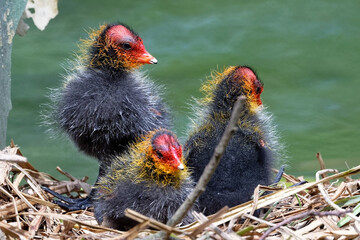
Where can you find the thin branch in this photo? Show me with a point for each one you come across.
(254, 203)
(35, 223)
(281, 229)
(20, 194)
(12, 158)
(15, 206)
(211, 166)
(133, 232)
(31, 181)
(287, 177)
(218, 231)
(67, 218)
(71, 177)
(209, 221)
(300, 216)
(152, 222)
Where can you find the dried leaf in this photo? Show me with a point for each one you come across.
(318, 235)
(41, 11)
(284, 217)
(344, 233)
(309, 227)
(68, 226)
(4, 172)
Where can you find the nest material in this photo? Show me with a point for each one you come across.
(325, 209)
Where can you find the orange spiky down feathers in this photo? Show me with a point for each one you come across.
(250, 153)
(151, 179)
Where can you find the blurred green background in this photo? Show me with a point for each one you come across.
(306, 52)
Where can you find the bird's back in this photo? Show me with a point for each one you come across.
(244, 165)
(250, 154)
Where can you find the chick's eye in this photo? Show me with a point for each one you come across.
(126, 46)
(159, 154)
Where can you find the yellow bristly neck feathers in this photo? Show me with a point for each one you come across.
(151, 168)
(86, 44)
(211, 83)
(101, 58)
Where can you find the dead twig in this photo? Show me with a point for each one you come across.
(218, 231)
(15, 206)
(255, 203)
(281, 229)
(14, 232)
(35, 223)
(326, 197)
(322, 164)
(289, 178)
(133, 232)
(68, 218)
(71, 177)
(212, 219)
(20, 194)
(12, 158)
(30, 180)
(152, 222)
(300, 216)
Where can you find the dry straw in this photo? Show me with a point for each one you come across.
(327, 208)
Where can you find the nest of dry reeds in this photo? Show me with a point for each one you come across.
(327, 208)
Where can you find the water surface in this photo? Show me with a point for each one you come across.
(306, 53)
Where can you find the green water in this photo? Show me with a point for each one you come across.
(306, 52)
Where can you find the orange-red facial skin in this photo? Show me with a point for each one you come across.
(167, 150)
(252, 85)
(118, 37)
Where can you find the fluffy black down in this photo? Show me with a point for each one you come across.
(244, 165)
(150, 199)
(249, 156)
(103, 112)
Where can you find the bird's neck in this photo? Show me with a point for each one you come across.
(95, 53)
(106, 63)
(222, 107)
(152, 172)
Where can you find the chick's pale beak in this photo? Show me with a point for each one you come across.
(181, 166)
(153, 61)
(146, 58)
(177, 161)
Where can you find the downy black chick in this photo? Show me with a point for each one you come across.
(252, 150)
(106, 103)
(151, 178)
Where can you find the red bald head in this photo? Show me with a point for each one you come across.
(252, 85)
(167, 150)
(128, 46)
